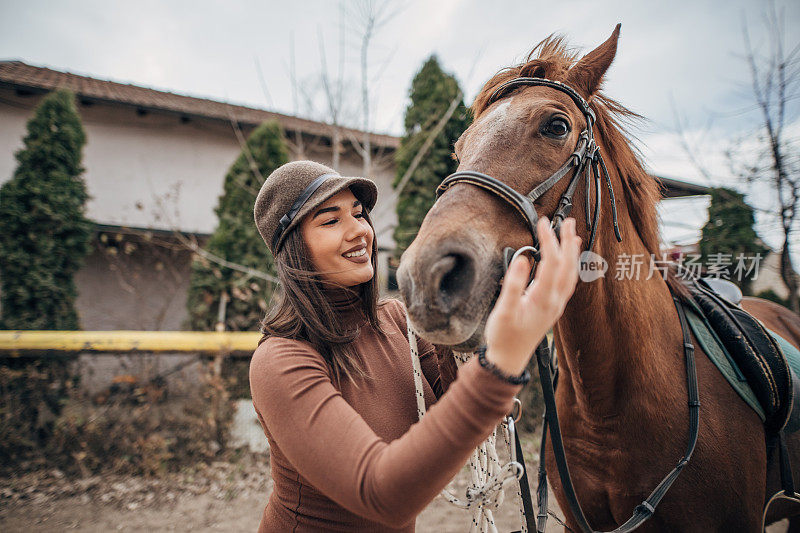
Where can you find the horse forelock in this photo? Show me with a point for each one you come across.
(552, 58)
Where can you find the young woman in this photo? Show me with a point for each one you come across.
(332, 378)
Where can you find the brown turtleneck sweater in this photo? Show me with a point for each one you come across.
(356, 458)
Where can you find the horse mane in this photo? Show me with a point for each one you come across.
(552, 59)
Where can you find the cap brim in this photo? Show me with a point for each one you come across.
(364, 190)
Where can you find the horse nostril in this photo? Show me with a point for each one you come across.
(453, 276)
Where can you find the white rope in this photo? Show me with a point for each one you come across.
(485, 493)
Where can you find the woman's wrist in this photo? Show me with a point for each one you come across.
(502, 369)
(506, 359)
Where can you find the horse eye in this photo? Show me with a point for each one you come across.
(558, 127)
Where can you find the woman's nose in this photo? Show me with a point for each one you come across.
(357, 228)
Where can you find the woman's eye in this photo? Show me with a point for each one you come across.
(333, 221)
(558, 127)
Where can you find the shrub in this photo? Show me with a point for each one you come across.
(44, 235)
(236, 239)
(132, 428)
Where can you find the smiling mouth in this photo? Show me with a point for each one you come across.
(357, 253)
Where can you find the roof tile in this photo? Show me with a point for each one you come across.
(21, 74)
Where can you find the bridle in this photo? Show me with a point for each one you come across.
(587, 161)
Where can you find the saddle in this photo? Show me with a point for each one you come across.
(755, 354)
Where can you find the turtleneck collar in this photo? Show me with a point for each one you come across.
(347, 302)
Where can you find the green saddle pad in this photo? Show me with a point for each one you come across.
(713, 347)
(791, 353)
(715, 350)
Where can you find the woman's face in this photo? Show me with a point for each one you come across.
(339, 239)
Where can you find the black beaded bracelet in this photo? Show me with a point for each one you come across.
(522, 379)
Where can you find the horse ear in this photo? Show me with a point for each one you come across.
(587, 73)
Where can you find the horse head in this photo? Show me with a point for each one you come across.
(449, 276)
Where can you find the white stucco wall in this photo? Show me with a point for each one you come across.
(149, 171)
(155, 171)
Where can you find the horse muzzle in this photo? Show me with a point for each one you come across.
(448, 290)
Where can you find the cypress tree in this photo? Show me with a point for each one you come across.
(432, 92)
(729, 232)
(237, 240)
(44, 234)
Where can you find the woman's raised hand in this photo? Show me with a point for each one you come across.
(525, 312)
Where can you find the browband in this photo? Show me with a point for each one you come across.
(286, 219)
(579, 100)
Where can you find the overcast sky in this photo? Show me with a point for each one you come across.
(686, 52)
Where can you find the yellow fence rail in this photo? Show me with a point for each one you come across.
(16, 342)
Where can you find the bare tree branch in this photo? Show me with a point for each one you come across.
(418, 158)
(333, 94)
(769, 84)
(250, 161)
(370, 16)
(263, 82)
(688, 147)
(767, 158)
(192, 245)
(298, 148)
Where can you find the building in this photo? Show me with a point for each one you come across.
(155, 162)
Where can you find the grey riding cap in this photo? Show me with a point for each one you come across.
(295, 189)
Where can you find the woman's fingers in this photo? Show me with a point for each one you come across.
(571, 239)
(522, 316)
(515, 280)
(570, 251)
(548, 243)
(557, 273)
(549, 263)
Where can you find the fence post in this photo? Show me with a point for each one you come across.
(218, 384)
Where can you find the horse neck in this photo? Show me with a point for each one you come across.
(611, 339)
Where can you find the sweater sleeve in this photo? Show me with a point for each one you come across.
(332, 447)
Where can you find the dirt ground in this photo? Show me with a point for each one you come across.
(223, 496)
(213, 510)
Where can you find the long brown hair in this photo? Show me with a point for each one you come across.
(303, 311)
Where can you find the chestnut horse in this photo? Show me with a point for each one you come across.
(622, 393)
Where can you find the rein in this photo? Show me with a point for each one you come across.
(587, 162)
(644, 510)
